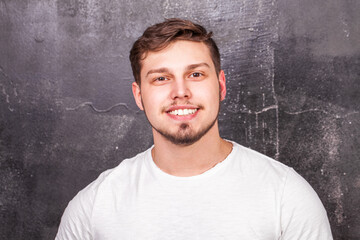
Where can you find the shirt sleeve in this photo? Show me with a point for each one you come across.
(303, 216)
(76, 221)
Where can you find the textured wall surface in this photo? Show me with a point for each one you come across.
(67, 113)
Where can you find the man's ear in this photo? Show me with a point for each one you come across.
(222, 83)
(137, 95)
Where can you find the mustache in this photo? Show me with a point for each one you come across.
(175, 103)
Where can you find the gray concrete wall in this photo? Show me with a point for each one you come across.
(67, 113)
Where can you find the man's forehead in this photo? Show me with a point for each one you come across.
(179, 54)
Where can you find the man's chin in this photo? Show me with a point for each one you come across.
(185, 136)
(181, 139)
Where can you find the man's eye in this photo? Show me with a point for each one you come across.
(160, 79)
(196, 74)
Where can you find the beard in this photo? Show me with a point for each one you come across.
(185, 135)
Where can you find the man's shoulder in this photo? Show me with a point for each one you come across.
(252, 160)
(117, 175)
(78, 215)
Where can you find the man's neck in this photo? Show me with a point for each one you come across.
(191, 160)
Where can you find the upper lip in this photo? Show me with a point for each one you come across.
(177, 107)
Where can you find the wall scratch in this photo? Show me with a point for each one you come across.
(265, 109)
(323, 111)
(276, 107)
(7, 96)
(90, 104)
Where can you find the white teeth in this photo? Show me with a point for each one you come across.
(183, 112)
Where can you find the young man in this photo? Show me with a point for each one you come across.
(191, 184)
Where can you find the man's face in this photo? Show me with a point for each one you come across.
(180, 91)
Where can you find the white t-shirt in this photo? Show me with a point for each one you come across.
(247, 196)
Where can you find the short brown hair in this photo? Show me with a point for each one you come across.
(159, 36)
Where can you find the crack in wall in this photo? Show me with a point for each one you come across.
(337, 116)
(265, 109)
(91, 105)
(332, 142)
(7, 96)
(276, 107)
(2, 71)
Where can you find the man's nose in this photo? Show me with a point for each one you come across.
(180, 89)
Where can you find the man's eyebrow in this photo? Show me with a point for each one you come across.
(158, 70)
(166, 70)
(193, 66)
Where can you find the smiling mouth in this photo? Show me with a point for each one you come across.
(183, 112)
